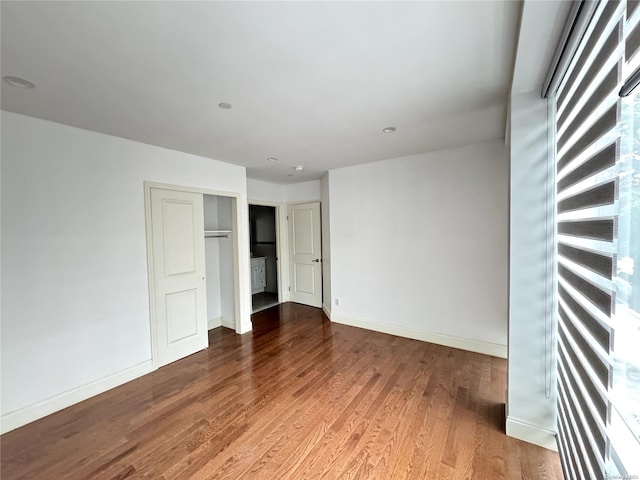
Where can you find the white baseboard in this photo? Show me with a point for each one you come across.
(227, 323)
(472, 345)
(17, 418)
(214, 323)
(531, 433)
(327, 311)
(221, 322)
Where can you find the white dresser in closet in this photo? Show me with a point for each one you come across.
(258, 275)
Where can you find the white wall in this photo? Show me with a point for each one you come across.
(419, 246)
(303, 192)
(226, 273)
(293, 193)
(265, 191)
(531, 415)
(75, 315)
(212, 261)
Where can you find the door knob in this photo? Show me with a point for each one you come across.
(316, 260)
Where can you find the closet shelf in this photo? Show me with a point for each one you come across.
(217, 233)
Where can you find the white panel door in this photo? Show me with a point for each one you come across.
(305, 249)
(179, 297)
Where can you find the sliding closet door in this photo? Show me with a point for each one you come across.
(179, 315)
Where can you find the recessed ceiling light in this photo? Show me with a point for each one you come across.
(224, 105)
(18, 82)
(298, 168)
(272, 159)
(389, 129)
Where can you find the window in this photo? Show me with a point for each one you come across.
(624, 431)
(598, 242)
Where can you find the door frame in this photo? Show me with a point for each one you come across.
(242, 286)
(282, 250)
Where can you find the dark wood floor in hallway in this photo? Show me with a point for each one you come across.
(298, 398)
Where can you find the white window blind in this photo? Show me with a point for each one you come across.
(598, 224)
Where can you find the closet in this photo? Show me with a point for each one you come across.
(218, 252)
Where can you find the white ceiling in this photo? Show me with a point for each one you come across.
(311, 83)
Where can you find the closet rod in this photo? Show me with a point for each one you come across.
(217, 233)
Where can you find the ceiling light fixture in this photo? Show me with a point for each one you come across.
(272, 159)
(298, 168)
(18, 82)
(389, 129)
(224, 105)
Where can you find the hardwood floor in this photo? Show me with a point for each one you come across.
(297, 398)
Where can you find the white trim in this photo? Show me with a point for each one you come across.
(185, 188)
(472, 345)
(302, 202)
(150, 274)
(327, 311)
(22, 416)
(227, 323)
(531, 433)
(214, 323)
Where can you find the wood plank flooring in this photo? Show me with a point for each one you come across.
(298, 398)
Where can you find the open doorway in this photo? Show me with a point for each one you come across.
(264, 256)
(219, 257)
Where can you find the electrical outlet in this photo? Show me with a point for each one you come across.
(337, 302)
